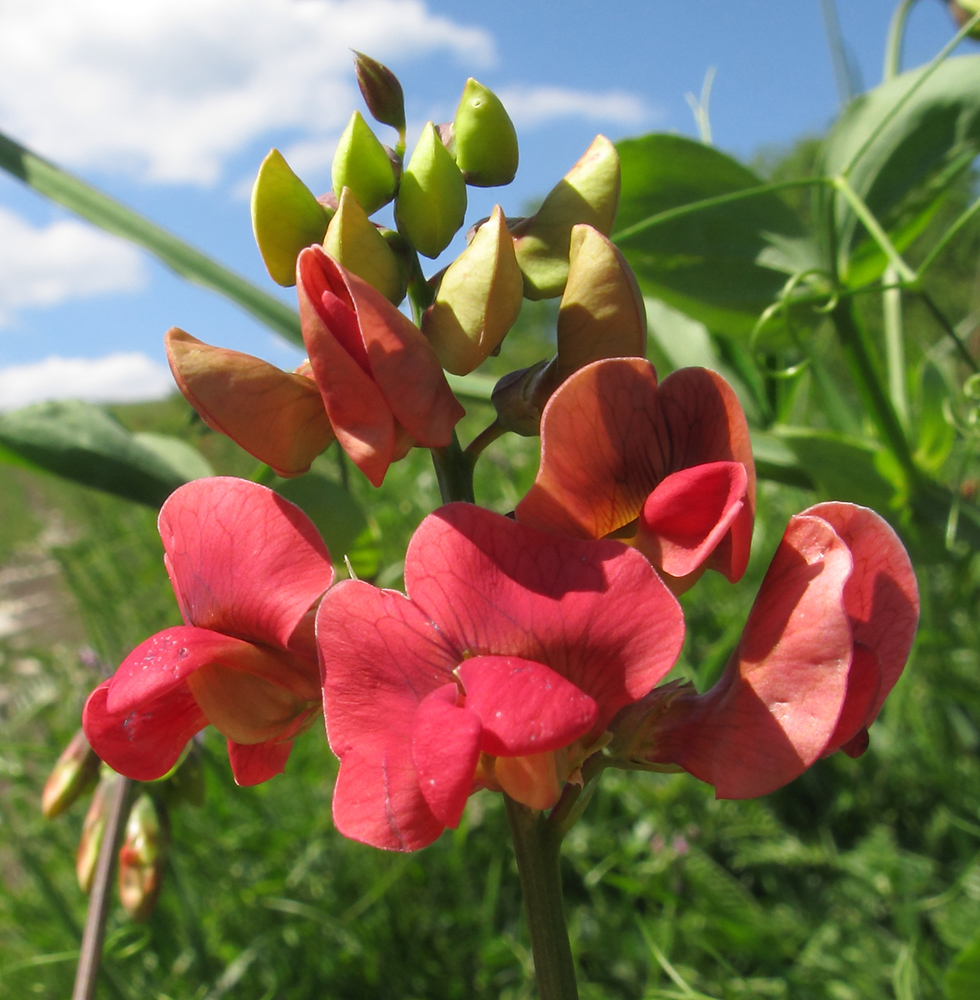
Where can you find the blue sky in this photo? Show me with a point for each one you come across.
(170, 105)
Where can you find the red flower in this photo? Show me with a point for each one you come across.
(826, 640)
(381, 383)
(500, 669)
(247, 568)
(668, 467)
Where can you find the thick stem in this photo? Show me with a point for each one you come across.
(454, 471)
(536, 844)
(87, 975)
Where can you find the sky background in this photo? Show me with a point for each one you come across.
(170, 106)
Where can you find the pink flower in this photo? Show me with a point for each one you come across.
(501, 668)
(826, 640)
(247, 569)
(381, 383)
(667, 467)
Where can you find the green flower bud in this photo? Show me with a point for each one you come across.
(431, 200)
(601, 313)
(286, 218)
(74, 773)
(962, 11)
(362, 164)
(143, 856)
(478, 300)
(588, 193)
(486, 141)
(355, 242)
(381, 91)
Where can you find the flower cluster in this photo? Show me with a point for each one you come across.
(526, 653)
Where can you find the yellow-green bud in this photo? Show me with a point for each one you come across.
(588, 193)
(962, 11)
(286, 218)
(355, 242)
(486, 141)
(74, 773)
(362, 164)
(601, 313)
(381, 91)
(478, 300)
(431, 200)
(142, 856)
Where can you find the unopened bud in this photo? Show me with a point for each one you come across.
(962, 11)
(286, 217)
(381, 91)
(486, 140)
(431, 200)
(143, 856)
(601, 313)
(355, 242)
(588, 193)
(635, 728)
(519, 397)
(74, 773)
(93, 830)
(362, 164)
(478, 300)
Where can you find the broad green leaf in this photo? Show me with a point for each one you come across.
(114, 217)
(775, 460)
(339, 518)
(962, 979)
(844, 468)
(899, 146)
(82, 442)
(182, 457)
(722, 264)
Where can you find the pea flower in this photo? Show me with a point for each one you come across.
(500, 667)
(825, 642)
(666, 466)
(247, 568)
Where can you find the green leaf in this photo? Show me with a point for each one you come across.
(936, 434)
(900, 145)
(962, 979)
(185, 460)
(82, 442)
(721, 264)
(844, 468)
(339, 518)
(114, 217)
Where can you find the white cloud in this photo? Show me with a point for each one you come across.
(42, 266)
(116, 378)
(167, 90)
(530, 106)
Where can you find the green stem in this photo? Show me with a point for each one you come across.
(895, 345)
(454, 471)
(486, 437)
(854, 341)
(537, 844)
(896, 39)
(951, 331)
(948, 236)
(879, 235)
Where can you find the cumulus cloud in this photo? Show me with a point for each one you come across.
(167, 90)
(530, 106)
(116, 378)
(45, 265)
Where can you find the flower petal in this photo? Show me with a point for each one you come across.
(258, 762)
(525, 707)
(594, 612)
(143, 743)
(242, 560)
(276, 416)
(380, 657)
(776, 706)
(689, 513)
(445, 750)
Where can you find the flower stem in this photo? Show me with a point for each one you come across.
(454, 471)
(536, 844)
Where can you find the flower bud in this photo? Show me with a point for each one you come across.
(486, 141)
(93, 829)
(431, 199)
(478, 300)
(143, 856)
(381, 91)
(962, 11)
(355, 242)
(362, 164)
(588, 193)
(601, 313)
(286, 217)
(519, 397)
(74, 773)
